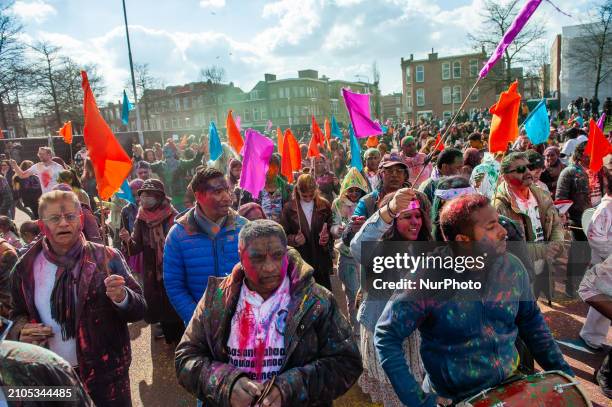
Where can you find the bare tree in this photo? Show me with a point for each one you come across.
(214, 74)
(497, 19)
(145, 82)
(45, 74)
(11, 56)
(592, 51)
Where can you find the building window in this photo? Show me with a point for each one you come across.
(177, 104)
(334, 106)
(473, 68)
(256, 116)
(420, 73)
(166, 124)
(446, 70)
(456, 94)
(409, 100)
(186, 103)
(446, 115)
(456, 70)
(420, 97)
(446, 95)
(247, 115)
(302, 92)
(408, 75)
(174, 123)
(281, 93)
(474, 96)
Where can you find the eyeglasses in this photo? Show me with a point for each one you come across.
(56, 219)
(521, 169)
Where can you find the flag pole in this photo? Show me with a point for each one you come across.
(127, 35)
(443, 138)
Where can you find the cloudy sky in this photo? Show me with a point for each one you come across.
(339, 38)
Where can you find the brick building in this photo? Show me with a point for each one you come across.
(392, 106)
(436, 86)
(286, 102)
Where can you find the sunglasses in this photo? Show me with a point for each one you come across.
(521, 169)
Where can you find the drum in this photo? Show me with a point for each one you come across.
(544, 389)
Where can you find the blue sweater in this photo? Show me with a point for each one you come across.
(191, 256)
(467, 346)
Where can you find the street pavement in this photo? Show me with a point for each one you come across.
(153, 379)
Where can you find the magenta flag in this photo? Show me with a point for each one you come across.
(256, 153)
(358, 106)
(601, 121)
(517, 25)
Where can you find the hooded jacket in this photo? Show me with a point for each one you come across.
(321, 362)
(343, 208)
(467, 346)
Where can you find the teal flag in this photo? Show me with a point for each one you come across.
(355, 150)
(335, 129)
(214, 142)
(537, 124)
(125, 192)
(125, 112)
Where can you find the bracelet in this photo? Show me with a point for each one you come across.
(391, 213)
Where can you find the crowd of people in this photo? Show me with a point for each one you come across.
(241, 285)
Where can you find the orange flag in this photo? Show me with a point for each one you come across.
(233, 134)
(440, 146)
(111, 163)
(279, 140)
(504, 124)
(294, 150)
(372, 141)
(597, 147)
(318, 139)
(327, 126)
(66, 132)
(286, 164)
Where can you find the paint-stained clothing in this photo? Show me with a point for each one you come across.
(103, 341)
(467, 346)
(321, 361)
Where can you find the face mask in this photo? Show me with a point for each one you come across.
(148, 202)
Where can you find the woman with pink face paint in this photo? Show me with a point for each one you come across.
(402, 216)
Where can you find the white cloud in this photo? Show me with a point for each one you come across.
(37, 10)
(212, 3)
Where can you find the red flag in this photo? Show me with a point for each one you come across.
(504, 124)
(233, 134)
(597, 147)
(438, 143)
(279, 140)
(318, 139)
(111, 163)
(66, 132)
(294, 150)
(286, 164)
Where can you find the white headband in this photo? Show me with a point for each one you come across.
(448, 194)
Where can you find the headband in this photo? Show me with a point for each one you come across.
(415, 204)
(448, 194)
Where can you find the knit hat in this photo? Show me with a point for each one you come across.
(152, 185)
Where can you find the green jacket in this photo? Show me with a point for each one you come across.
(321, 362)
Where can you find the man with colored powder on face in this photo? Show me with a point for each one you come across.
(76, 297)
(267, 333)
(415, 162)
(46, 170)
(481, 357)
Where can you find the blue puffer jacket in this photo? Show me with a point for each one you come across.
(191, 256)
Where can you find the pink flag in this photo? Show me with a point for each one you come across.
(238, 123)
(602, 121)
(517, 25)
(358, 106)
(256, 153)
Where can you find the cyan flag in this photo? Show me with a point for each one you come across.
(125, 192)
(580, 120)
(537, 124)
(214, 142)
(355, 150)
(335, 129)
(127, 106)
